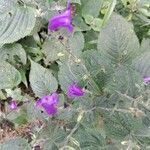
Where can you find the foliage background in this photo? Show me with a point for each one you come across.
(108, 54)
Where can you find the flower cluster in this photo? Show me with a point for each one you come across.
(49, 103)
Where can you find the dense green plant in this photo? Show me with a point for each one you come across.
(108, 54)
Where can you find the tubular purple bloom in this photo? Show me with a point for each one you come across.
(13, 105)
(48, 103)
(146, 79)
(74, 90)
(50, 109)
(63, 19)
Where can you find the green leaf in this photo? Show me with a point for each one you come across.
(23, 76)
(19, 118)
(94, 61)
(50, 146)
(76, 1)
(53, 134)
(143, 135)
(53, 48)
(6, 5)
(90, 139)
(95, 23)
(79, 23)
(9, 76)
(15, 144)
(91, 7)
(145, 45)
(124, 2)
(144, 2)
(119, 125)
(33, 113)
(76, 43)
(85, 102)
(67, 115)
(126, 80)
(8, 52)
(117, 41)
(98, 67)
(47, 8)
(142, 64)
(42, 81)
(109, 12)
(15, 94)
(59, 49)
(88, 19)
(143, 132)
(16, 21)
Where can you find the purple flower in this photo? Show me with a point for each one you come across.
(74, 90)
(146, 79)
(48, 103)
(64, 19)
(13, 105)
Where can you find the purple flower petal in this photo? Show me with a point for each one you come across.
(65, 14)
(74, 90)
(48, 103)
(50, 109)
(62, 22)
(146, 79)
(63, 19)
(53, 99)
(13, 105)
